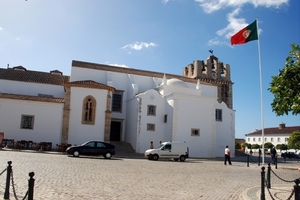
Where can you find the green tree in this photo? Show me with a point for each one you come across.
(248, 145)
(294, 140)
(268, 145)
(255, 146)
(237, 145)
(286, 85)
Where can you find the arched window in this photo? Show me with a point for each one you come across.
(88, 110)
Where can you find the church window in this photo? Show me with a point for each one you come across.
(27, 121)
(117, 101)
(150, 127)
(88, 111)
(218, 115)
(151, 110)
(165, 118)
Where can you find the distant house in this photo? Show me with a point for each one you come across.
(275, 135)
(109, 103)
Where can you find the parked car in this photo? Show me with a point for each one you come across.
(174, 150)
(92, 148)
(290, 155)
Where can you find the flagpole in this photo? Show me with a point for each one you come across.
(261, 97)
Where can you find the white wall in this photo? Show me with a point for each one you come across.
(225, 130)
(194, 113)
(32, 89)
(151, 97)
(132, 122)
(47, 120)
(78, 132)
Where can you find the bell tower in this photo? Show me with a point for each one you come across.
(212, 71)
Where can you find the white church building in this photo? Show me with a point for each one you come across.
(109, 103)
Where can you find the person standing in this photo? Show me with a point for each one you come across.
(227, 156)
(151, 145)
(273, 155)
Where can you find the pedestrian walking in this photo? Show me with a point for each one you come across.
(273, 155)
(227, 156)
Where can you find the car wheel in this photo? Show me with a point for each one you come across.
(176, 159)
(76, 153)
(107, 155)
(182, 158)
(155, 157)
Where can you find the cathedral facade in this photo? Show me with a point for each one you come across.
(109, 103)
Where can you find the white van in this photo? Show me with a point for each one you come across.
(172, 149)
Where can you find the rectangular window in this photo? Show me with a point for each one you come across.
(117, 101)
(271, 139)
(285, 139)
(150, 127)
(151, 110)
(253, 139)
(27, 121)
(265, 139)
(165, 118)
(259, 139)
(218, 115)
(278, 139)
(248, 139)
(195, 132)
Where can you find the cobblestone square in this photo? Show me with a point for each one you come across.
(61, 177)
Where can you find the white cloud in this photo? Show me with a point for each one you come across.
(165, 1)
(216, 41)
(210, 6)
(235, 24)
(139, 46)
(1, 28)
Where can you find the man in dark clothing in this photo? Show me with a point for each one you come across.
(273, 155)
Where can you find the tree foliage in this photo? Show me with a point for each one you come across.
(294, 140)
(255, 146)
(282, 146)
(268, 145)
(237, 145)
(286, 85)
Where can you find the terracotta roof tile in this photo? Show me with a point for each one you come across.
(31, 98)
(31, 76)
(90, 84)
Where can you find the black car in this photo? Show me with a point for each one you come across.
(92, 148)
(290, 155)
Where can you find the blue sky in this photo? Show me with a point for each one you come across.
(157, 35)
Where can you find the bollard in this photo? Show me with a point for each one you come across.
(262, 194)
(269, 176)
(6, 193)
(258, 160)
(297, 189)
(276, 162)
(30, 186)
(248, 160)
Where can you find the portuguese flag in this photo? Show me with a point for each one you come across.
(245, 35)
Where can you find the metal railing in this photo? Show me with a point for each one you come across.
(10, 179)
(266, 183)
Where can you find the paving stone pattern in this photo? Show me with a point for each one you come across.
(61, 177)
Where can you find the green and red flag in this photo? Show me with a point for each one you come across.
(245, 35)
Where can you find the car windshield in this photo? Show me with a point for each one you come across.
(88, 144)
(159, 146)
